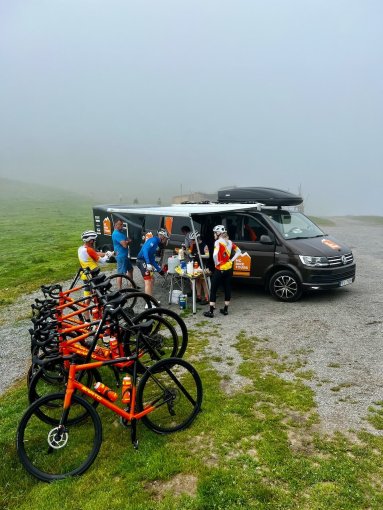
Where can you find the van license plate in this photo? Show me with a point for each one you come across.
(342, 283)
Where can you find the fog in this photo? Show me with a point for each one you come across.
(147, 99)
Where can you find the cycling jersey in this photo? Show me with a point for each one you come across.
(88, 258)
(221, 254)
(148, 252)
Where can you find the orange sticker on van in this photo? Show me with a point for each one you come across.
(242, 265)
(107, 226)
(169, 223)
(331, 244)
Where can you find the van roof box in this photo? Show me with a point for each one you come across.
(267, 196)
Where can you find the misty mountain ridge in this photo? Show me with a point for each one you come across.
(14, 190)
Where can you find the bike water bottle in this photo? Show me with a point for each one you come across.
(105, 391)
(95, 314)
(106, 340)
(113, 346)
(126, 389)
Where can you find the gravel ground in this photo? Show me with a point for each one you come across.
(336, 334)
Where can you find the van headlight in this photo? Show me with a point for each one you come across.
(314, 261)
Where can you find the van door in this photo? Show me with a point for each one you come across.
(246, 231)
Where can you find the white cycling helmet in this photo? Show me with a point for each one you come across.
(163, 232)
(193, 235)
(219, 229)
(88, 235)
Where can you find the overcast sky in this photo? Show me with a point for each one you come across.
(149, 98)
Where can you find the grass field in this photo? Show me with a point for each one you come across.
(259, 447)
(40, 232)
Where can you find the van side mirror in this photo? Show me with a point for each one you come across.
(266, 239)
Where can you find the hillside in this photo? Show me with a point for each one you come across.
(40, 232)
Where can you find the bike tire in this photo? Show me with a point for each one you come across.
(174, 389)
(137, 301)
(41, 447)
(175, 320)
(154, 346)
(40, 387)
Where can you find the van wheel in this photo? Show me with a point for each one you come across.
(285, 286)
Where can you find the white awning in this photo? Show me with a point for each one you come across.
(184, 210)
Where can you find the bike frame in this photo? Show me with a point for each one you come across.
(73, 384)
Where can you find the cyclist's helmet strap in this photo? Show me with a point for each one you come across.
(88, 235)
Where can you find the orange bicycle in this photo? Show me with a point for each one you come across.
(60, 434)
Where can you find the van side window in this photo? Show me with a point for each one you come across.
(252, 229)
(233, 226)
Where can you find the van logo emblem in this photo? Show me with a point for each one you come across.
(344, 260)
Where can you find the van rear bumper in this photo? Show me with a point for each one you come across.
(328, 278)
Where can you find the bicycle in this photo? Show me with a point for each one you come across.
(159, 339)
(60, 434)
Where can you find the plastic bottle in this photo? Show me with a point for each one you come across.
(105, 391)
(126, 389)
(95, 313)
(181, 253)
(182, 301)
(106, 340)
(113, 346)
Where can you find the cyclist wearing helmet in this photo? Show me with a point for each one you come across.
(201, 285)
(121, 249)
(90, 258)
(223, 273)
(146, 258)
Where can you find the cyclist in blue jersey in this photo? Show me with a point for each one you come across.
(146, 258)
(121, 249)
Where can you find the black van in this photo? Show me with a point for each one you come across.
(283, 249)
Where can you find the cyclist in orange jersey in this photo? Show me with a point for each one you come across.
(223, 261)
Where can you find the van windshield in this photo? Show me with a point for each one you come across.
(294, 225)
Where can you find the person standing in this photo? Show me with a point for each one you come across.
(223, 262)
(185, 231)
(121, 249)
(89, 258)
(146, 258)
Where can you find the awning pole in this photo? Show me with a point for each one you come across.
(199, 253)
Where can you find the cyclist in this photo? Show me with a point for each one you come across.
(146, 261)
(90, 258)
(223, 261)
(121, 248)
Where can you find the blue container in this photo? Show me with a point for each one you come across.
(182, 301)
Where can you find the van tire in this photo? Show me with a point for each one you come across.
(285, 286)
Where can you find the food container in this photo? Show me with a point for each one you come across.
(175, 297)
(173, 262)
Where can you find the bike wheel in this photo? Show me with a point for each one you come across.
(163, 343)
(171, 317)
(40, 387)
(50, 451)
(126, 282)
(173, 388)
(137, 302)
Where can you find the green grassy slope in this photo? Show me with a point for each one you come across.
(40, 232)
